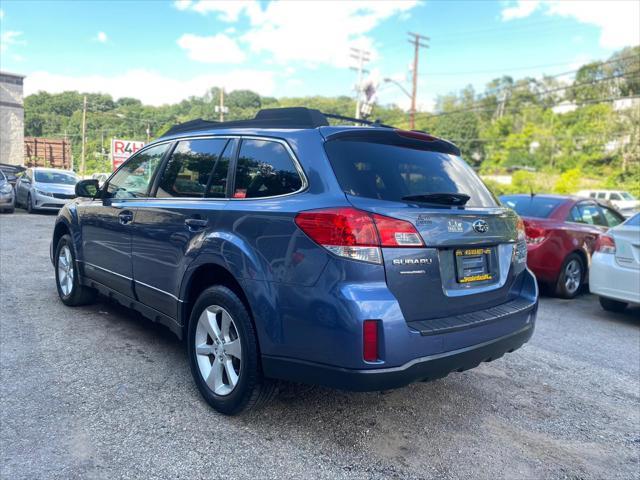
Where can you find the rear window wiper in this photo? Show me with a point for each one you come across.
(454, 199)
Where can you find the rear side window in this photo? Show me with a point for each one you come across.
(612, 218)
(188, 171)
(614, 196)
(533, 206)
(391, 172)
(265, 169)
(591, 214)
(634, 221)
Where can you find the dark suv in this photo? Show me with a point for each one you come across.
(281, 247)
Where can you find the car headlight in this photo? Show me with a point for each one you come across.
(46, 194)
(6, 188)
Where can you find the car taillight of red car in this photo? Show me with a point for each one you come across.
(535, 234)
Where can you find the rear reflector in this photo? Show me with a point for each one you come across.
(606, 244)
(370, 340)
(356, 234)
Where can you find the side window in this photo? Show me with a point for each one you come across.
(188, 171)
(134, 177)
(602, 195)
(614, 196)
(613, 218)
(592, 194)
(265, 169)
(574, 215)
(591, 214)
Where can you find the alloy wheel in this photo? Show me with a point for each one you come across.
(572, 276)
(218, 350)
(65, 270)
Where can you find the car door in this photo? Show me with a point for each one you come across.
(23, 184)
(590, 224)
(105, 222)
(189, 193)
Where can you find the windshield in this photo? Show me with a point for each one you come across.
(627, 196)
(532, 206)
(63, 178)
(391, 172)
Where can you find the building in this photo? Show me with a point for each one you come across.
(11, 119)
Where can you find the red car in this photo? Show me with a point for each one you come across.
(561, 236)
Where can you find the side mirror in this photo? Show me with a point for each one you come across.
(87, 188)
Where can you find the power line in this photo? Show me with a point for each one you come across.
(476, 104)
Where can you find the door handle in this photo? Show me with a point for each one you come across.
(196, 223)
(125, 217)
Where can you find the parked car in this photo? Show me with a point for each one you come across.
(7, 197)
(615, 267)
(11, 172)
(626, 203)
(101, 177)
(561, 233)
(280, 247)
(45, 188)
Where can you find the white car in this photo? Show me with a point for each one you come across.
(626, 203)
(615, 266)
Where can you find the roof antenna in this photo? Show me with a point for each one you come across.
(531, 192)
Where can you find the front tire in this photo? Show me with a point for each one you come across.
(571, 277)
(30, 207)
(70, 290)
(612, 305)
(223, 353)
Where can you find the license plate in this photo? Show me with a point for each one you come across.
(473, 265)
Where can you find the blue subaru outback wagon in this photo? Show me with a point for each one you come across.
(357, 257)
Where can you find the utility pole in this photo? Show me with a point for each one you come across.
(417, 41)
(84, 130)
(361, 56)
(148, 132)
(221, 109)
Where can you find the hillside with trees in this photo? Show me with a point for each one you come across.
(582, 132)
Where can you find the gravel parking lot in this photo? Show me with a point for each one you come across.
(99, 392)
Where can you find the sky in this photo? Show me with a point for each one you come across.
(165, 51)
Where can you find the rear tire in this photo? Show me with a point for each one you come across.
(70, 290)
(223, 353)
(612, 305)
(571, 278)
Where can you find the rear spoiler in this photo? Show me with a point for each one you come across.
(401, 138)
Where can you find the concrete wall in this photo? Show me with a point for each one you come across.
(11, 119)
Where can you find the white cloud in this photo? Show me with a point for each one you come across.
(1, 14)
(218, 48)
(9, 38)
(617, 19)
(520, 10)
(182, 4)
(102, 37)
(150, 87)
(312, 32)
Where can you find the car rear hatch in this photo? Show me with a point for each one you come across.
(469, 249)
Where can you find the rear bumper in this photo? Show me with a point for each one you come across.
(610, 280)
(420, 369)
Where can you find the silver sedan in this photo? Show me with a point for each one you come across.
(7, 197)
(45, 188)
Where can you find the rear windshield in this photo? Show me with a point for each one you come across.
(390, 172)
(55, 177)
(532, 206)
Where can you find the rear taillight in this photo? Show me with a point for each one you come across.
(521, 230)
(355, 234)
(535, 234)
(370, 340)
(606, 244)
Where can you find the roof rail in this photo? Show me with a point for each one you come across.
(291, 117)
